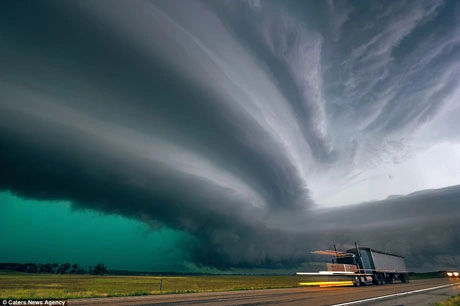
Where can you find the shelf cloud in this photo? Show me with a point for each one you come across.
(255, 126)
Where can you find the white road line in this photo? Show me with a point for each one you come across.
(393, 295)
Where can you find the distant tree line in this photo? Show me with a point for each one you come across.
(54, 268)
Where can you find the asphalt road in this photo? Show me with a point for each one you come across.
(344, 296)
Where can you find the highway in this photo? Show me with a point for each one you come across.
(427, 292)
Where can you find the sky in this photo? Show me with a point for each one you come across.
(229, 135)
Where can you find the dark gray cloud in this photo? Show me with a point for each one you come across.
(421, 226)
(237, 121)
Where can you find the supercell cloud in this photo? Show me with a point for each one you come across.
(251, 125)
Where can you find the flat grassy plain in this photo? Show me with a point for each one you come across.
(36, 286)
(453, 301)
(16, 285)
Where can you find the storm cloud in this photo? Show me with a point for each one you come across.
(252, 125)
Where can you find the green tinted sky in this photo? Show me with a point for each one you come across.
(44, 231)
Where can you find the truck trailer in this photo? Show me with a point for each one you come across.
(363, 266)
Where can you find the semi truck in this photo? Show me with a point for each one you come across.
(361, 266)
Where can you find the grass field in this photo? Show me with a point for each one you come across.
(30, 286)
(453, 301)
(15, 285)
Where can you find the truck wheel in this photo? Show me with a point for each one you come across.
(357, 282)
